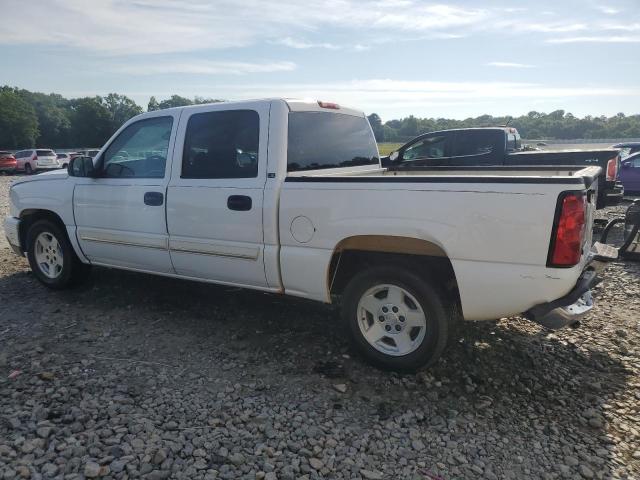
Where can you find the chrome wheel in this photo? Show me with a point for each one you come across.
(391, 320)
(48, 255)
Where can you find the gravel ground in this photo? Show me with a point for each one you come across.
(138, 376)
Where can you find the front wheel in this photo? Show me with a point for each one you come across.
(51, 256)
(396, 319)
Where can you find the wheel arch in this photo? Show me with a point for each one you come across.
(428, 259)
(30, 216)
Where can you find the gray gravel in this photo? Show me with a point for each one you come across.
(134, 376)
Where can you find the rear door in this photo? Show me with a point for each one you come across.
(630, 174)
(215, 197)
(478, 147)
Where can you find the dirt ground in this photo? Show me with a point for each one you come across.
(136, 376)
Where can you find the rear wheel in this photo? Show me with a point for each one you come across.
(51, 256)
(27, 169)
(396, 319)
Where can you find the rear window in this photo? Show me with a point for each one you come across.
(319, 140)
(45, 153)
(513, 142)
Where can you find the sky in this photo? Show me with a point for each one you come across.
(452, 59)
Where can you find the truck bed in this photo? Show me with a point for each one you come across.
(493, 224)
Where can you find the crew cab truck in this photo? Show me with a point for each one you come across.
(289, 197)
(501, 146)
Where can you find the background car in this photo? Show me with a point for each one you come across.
(7, 162)
(630, 173)
(90, 152)
(64, 159)
(32, 160)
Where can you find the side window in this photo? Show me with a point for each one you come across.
(473, 143)
(431, 147)
(221, 145)
(636, 163)
(140, 150)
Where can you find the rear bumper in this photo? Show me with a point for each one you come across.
(572, 307)
(12, 232)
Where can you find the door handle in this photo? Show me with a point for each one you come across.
(241, 203)
(154, 199)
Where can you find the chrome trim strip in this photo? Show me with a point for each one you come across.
(118, 242)
(215, 254)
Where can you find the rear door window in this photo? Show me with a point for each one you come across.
(468, 143)
(222, 145)
(320, 140)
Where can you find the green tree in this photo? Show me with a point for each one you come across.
(91, 122)
(197, 100)
(121, 109)
(153, 105)
(376, 126)
(174, 101)
(18, 121)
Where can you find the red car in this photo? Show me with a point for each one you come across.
(7, 162)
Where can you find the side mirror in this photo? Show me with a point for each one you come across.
(393, 156)
(81, 167)
(626, 165)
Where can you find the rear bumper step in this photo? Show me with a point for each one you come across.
(572, 307)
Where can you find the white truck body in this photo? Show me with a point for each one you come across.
(493, 226)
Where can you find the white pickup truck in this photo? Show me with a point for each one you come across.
(289, 197)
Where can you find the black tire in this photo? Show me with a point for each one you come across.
(27, 169)
(439, 316)
(73, 270)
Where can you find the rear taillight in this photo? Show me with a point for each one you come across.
(612, 169)
(568, 231)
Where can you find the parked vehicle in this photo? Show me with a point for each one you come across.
(289, 197)
(92, 152)
(32, 160)
(628, 148)
(630, 173)
(63, 159)
(7, 162)
(501, 146)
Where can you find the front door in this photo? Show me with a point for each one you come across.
(430, 151)
(215, 197)
(120, 215)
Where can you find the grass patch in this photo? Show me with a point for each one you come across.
(387, 148)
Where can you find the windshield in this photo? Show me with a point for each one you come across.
(319, 140)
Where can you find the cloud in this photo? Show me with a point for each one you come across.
(509, 65)
(608, 10)
(631, 27)
(200, 67)
(370, 94)
(300, 44)
(595, 39)
(115, 27)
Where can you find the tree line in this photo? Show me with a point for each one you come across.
(34, 119)
(534, 125)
